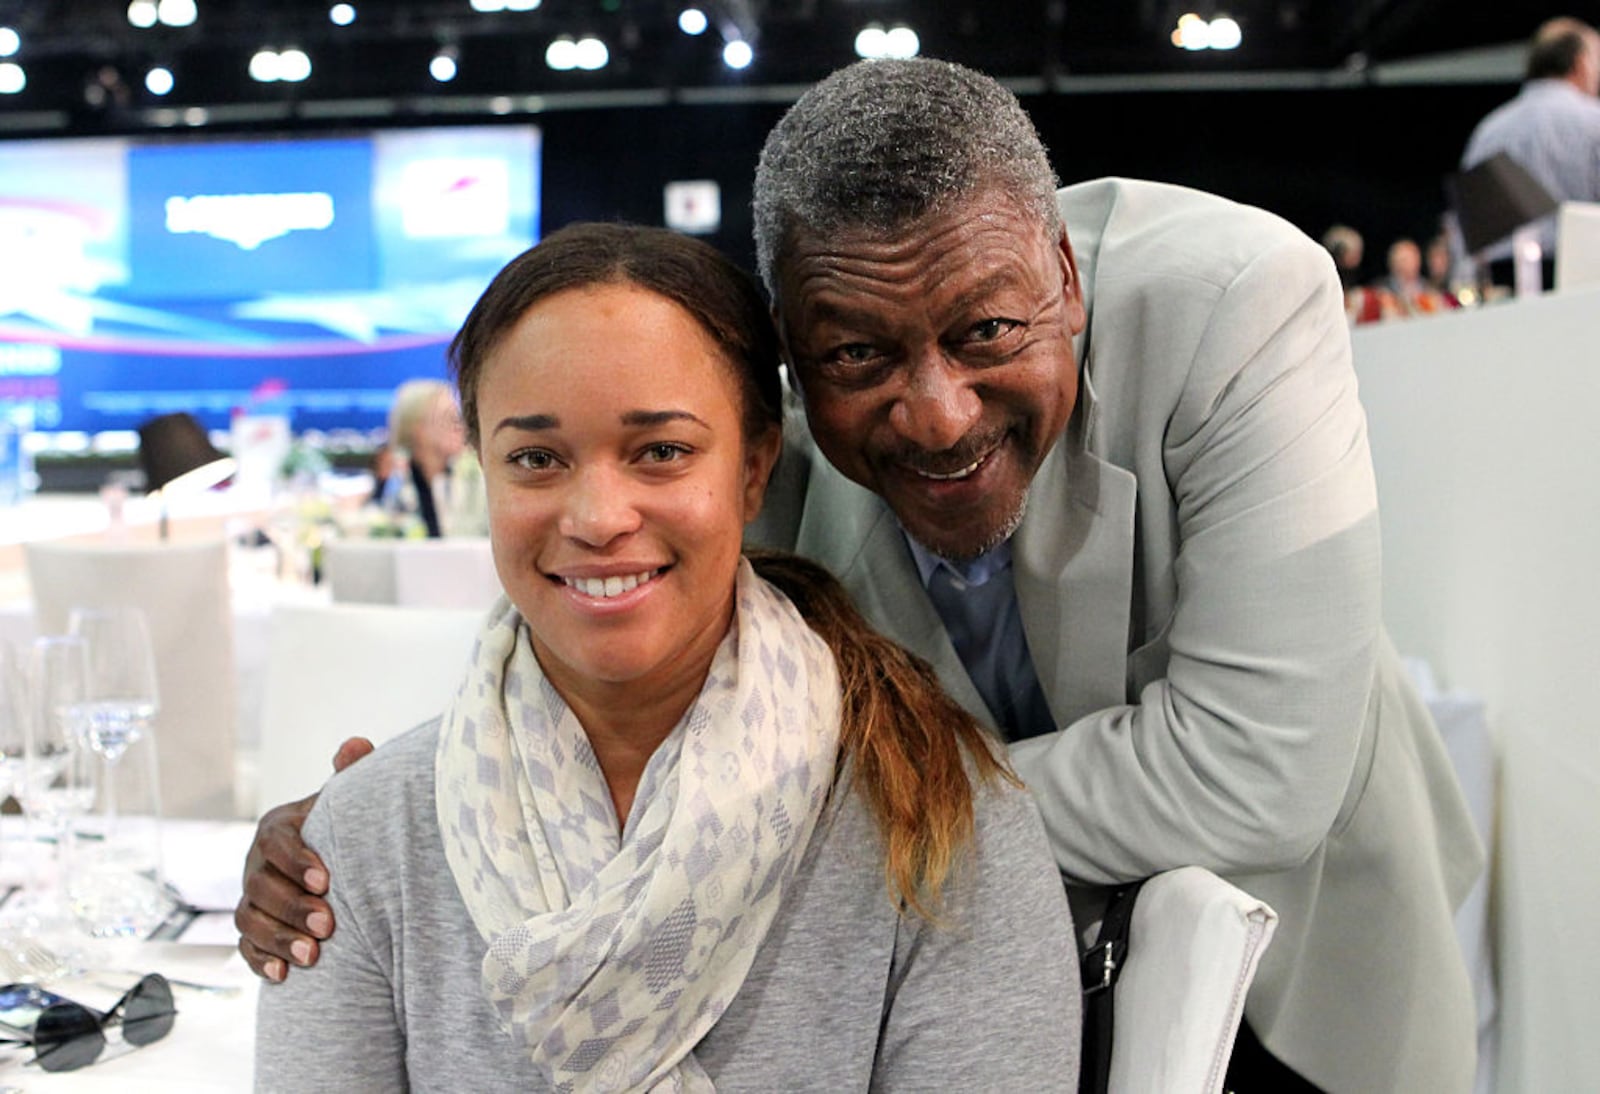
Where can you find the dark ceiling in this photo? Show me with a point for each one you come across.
(85, 63)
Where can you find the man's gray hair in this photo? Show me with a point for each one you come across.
(882, 144)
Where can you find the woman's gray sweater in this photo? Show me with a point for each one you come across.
(845, 993)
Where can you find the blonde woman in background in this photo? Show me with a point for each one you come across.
(444, 479)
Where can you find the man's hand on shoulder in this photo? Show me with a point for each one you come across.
(282, 917)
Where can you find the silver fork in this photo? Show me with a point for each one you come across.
(44, 962)
(26, 959)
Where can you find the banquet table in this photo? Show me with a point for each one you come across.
(210, 1047)
(259, 582)
(256, 594)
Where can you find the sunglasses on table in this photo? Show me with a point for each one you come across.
(67, 1035)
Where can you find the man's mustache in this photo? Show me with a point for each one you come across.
(964, 453)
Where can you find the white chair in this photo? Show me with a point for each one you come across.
(183, 590)
(1193, 947)
(416, 573)
(352, 670)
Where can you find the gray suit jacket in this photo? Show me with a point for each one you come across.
(1198, 576)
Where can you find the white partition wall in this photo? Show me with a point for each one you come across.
(1485, 433)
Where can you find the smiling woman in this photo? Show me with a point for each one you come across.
(621, 500)
(688, 817)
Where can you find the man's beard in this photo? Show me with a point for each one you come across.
(969, 553)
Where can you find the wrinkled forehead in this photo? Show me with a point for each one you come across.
(1018, 224)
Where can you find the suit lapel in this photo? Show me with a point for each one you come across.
(852, 532)
(1073, 564)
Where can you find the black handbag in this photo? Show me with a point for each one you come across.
(1099, 966)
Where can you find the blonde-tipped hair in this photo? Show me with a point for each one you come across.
(906, 742)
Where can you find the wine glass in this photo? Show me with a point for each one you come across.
(123, 695)
(13, 731)
(57, 783)
(13, 710)
(117, 887)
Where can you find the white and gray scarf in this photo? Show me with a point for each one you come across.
(610, 957)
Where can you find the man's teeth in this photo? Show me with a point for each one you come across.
(961, 474)
(604, 587)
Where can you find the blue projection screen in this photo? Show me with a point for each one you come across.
(138, 278)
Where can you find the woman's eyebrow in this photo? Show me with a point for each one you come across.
(533, 423)
(660, 417)
(530, 423)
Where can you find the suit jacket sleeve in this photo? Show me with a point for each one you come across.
(1240, 753)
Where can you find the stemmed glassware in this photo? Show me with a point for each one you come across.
(123, 694)
(117, 888)
(14, 694)
(57, 782)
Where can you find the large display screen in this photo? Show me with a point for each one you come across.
(307, 276)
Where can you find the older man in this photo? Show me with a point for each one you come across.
(1117, 490)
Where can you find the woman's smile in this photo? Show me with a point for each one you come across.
(619, 485)
(609, 588)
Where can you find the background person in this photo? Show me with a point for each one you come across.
(1363, 303)
(1552, 128)
(675, 872)
(446, 484)
(1116, 489)
(1439, 260)
(1412, 293)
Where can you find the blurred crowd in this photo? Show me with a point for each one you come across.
(1550, 133)
(1416, 279)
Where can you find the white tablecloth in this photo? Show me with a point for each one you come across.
(211, 1046)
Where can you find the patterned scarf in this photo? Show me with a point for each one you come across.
(609, 958)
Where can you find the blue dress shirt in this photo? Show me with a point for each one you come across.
(977, 602)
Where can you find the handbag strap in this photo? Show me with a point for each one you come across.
(1099, 966)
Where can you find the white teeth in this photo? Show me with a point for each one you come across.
(603, 588)
(963, 473)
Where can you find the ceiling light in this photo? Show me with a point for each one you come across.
(264, 66)
(341, 15)
(692, 21)
(521, 5)
(738, 54)
(1194, 33)
(1225, 33)
(488, 5)
(902, 42)
(177, 13)
(562, 54)
(12, 78)
(293, 65)
(590, 53)
(872, 42)
(158, 81)
(443, 66)
(875, 43)
(10, 42)
(142, 13)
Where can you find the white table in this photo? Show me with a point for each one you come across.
(211, 1045)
